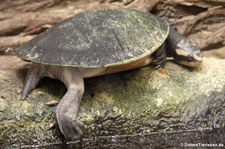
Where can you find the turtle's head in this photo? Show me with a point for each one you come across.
(187, 54)
(182, 50)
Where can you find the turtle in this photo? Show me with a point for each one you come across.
(95, 43)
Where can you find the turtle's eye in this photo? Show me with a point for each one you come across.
(190, 58)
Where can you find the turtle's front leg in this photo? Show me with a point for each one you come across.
(159, 57)
(68, 108)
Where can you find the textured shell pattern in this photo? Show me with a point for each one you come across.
(99, 38)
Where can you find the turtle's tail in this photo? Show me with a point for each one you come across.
(33, 76)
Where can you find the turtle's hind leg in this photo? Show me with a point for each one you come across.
(159, 57)
(68, 108)
(33, 76)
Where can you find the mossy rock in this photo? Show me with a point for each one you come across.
(141, 102)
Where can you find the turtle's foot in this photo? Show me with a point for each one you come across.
(67, 113)
(159, 57)
(71, 129)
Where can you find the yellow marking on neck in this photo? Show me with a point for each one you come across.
(181, 52)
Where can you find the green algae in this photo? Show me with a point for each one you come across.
(140, 101)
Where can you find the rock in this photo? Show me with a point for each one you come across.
(144, 102)
(12, 63)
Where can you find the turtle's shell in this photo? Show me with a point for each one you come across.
(99, 38)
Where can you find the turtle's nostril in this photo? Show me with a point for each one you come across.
(199, 54)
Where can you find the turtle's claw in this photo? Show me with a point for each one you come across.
(72, 130)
